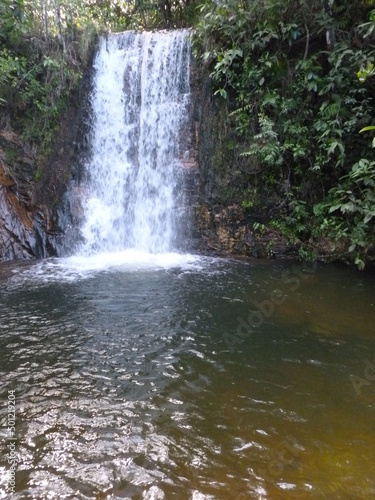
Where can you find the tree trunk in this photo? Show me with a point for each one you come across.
(330, 33)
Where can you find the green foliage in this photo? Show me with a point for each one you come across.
(351, 208)
(13, 20)
(46, 44)
(246, 204)
(299, 106)
(41, 61)
(34, 89)
(259, 227)
(365, 73)
(38, 175)
(293, 225)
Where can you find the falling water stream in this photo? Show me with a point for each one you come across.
(139, 104)
(141, 372)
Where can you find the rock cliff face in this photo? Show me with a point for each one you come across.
(31, 194)
(18, 215)
(34, 211)
(226, 230)
(40, 201)
(224, 181)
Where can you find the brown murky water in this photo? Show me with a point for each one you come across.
(214, 380)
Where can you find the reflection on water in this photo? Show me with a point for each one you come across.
(131, 380)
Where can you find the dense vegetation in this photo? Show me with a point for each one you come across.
(296, 76)
(290, 71)
(46, 44)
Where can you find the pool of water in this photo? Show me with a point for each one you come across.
(186, 377)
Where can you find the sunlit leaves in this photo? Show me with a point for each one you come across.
(365, 73)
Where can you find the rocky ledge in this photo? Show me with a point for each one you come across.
(226, 231)
(19, 217)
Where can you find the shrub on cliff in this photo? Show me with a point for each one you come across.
(291, 69)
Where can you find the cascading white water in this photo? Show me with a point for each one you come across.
(140, 101)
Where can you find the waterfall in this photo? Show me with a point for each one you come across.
(139, 102)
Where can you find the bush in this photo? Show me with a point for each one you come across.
(291, 70)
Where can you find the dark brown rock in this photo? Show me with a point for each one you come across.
(17, 240)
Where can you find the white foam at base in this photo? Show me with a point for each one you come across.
(70, 269)
(131, 259)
